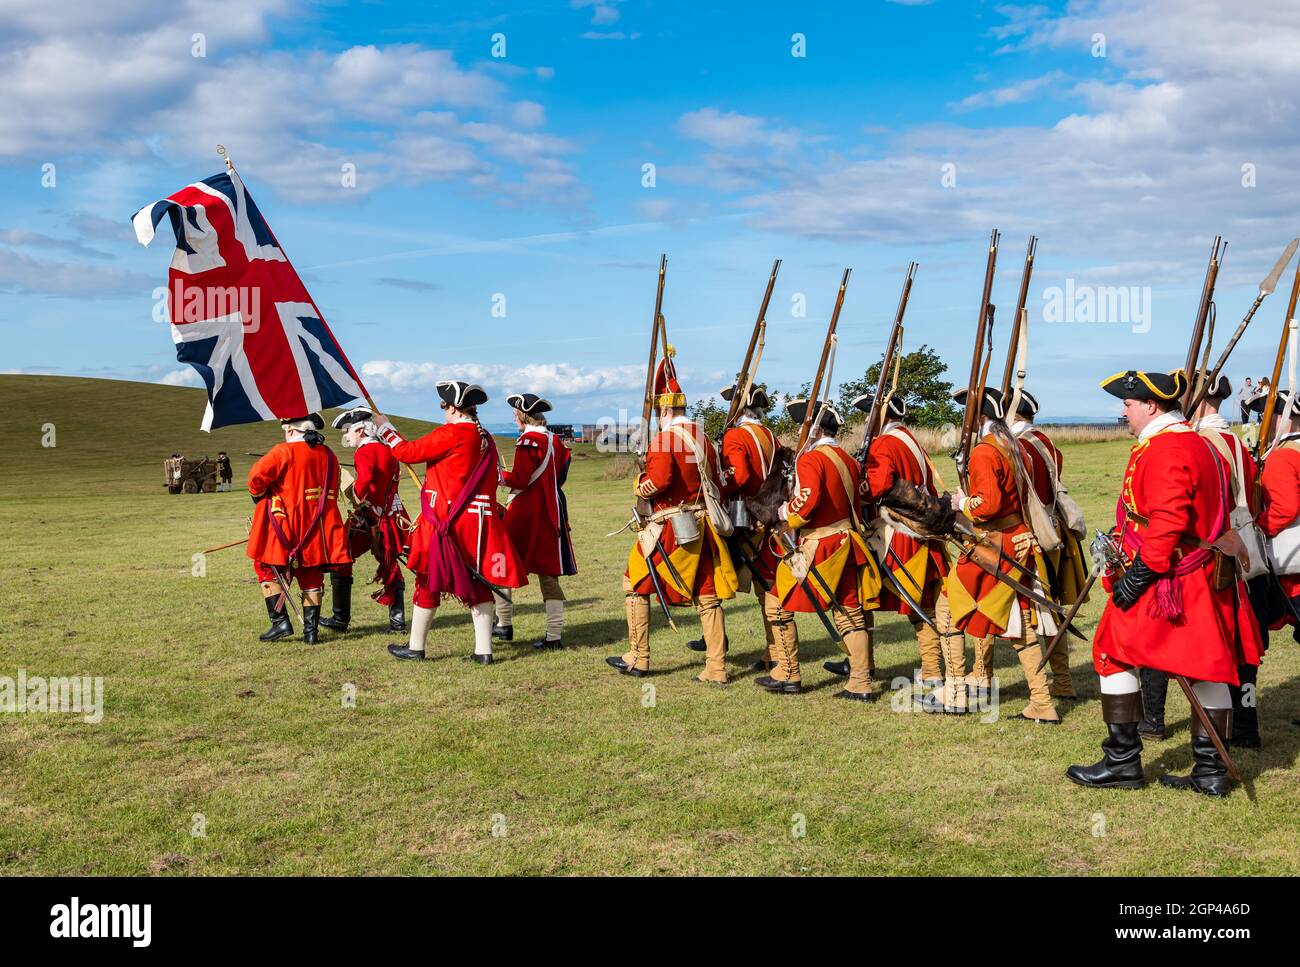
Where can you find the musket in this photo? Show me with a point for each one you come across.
(745, 378)
(814, 407)
(1203, 311)
(1013, 340)
(647, 405)
(1265, 289)
(222, 547)
(970, 422)
(901, 591)
(1270, 405)
(876, 417)
(1069, 617)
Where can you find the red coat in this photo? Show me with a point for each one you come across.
(381, 526)
(672, 478)
(888, 460)
(747, 453)
(822, 498)
(1280, 483)
(452, 452)
(1176, 482)
(537, 516)
(981, 604)
(1067, 566)
(294, 477)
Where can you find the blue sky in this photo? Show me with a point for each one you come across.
(522, 175)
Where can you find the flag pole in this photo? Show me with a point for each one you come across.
(230, 166)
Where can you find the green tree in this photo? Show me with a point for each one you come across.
(920, 385)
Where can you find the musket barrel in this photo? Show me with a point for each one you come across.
(1013, 341)
(974, 394)
(1270, 405)
(815, 391)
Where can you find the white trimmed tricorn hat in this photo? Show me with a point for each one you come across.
(312, 421)
(460, 394)
(758, 398)
(897, 408)
(994, 405)
(358, 414)
(529, 403)
(829, 420)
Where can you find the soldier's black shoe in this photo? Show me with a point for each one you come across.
(1148, 730)
(397, 610)
(932, 704)
(780, 687)
(405, 654)
(616, 661)
(503, 632)
(310, 622)
(341, 601)
(840, 668)
(1209, 775)
(856, 696)
(481, 659)
(280, 624)
(547, 643)
(697, 644)
(762, 666)
(1155, 687)
(1121, 764)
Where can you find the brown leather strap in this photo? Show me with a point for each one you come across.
(1190, 541)
(1002, 523)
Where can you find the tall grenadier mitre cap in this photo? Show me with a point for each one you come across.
(529, 403)
(460, 394)
(1156, 387)
(668, 392)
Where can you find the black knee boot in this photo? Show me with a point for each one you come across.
(397, 610)
(1121, 764)
(280, 625)
(1155, 687)
(1209, 775)
(310, 620)
(1245, 709)
(341, 599)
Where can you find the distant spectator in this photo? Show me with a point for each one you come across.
(1244, 396)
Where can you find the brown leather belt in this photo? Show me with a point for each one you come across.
(1002, 523)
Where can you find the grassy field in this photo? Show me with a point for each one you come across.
(547, 763)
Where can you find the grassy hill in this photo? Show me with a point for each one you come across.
(542, 763)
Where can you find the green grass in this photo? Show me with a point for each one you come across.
(202, 718)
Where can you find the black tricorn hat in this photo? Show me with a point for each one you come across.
(758, 398)
(994, 406)
(1220, 389)
(1134, 384)
(896, 407)
(313, 418)
(828, 419)
(1028, 405)
(529, 403)
(358, 414)
(460, 394)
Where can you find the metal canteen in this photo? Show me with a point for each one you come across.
(740, 515)
(686, 528)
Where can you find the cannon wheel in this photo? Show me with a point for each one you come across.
(189, 487)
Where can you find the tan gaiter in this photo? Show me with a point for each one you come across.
(1030, 654)
(1062, 683)
(638, 628)
(714, 627)
(952, 645)
(927, 642)
(982, 673)
(852, 626)
(505, 608)
(761, 595)
(785, 640)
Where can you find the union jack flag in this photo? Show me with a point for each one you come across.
(240, 314)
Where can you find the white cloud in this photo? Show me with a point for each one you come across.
(1011, 94)
(729, 130)
(123, 83)
(22, 274)
(185, 376)
(602, 11)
